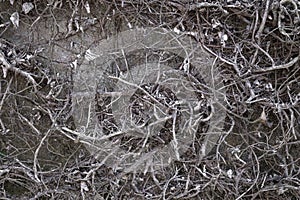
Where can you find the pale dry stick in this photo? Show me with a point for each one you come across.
(39, 195)
(30, 124)
(260, 30)
(123, 14)
(80, 137)
(62, 110)
(186, 190)
(234, 65)
(286, 166)
(281, 106)
(202, 172)
(83, 188)
(256, 178)
(186, 62)
(55, 95)
(36, 153)
(85, 137)
(4, 171)
(292, 124)
(223, 140)
(187, 82)
(175, 141)
(126, 62)
(148, 166)
(138, 87)
(98, 165)
(187, 59)
(207, 5)
(167, 184)
(293, 101)
(118, 94)
(199, 116)
(133, 184)
(89, 115)
(5, 93)
(212, 76)
(266, 53)
(280, 17)
(263, 181)
(278, 67)
(292, 165)
(73, 21)
(283, 115)
(27, 170)
(140, 161)
(39, 17)
(254, 27)
(158, 121)
(156, 181)
(7, 66)
(187, 183)
(262, 24)
(4, 130)
(2, 102)
(275, 188)
(278, 106)
(287, 132)
(197, 190)
(239, 158)
(252, 93)
(48, 111)
(254, 56)
(228, 110)
(213, 88)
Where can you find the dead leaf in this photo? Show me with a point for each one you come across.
(14, 18)
(27, 7)
(87, 7)
(84, 186)
(263, 116)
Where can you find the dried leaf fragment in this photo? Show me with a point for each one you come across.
(27, 7)
(14, 18)
(87, 7)
(263, 116)
(84, 186)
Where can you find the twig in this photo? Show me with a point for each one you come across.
(7, 66)
(36, 153)
(260, 30)
(175, 141)
(5, 94)
(263, 22)
(207, 5)
(138, 87)
(29, 123)
(277, 67)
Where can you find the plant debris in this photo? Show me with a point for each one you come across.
(255, 46)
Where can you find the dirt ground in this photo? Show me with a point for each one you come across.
(255, 158)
